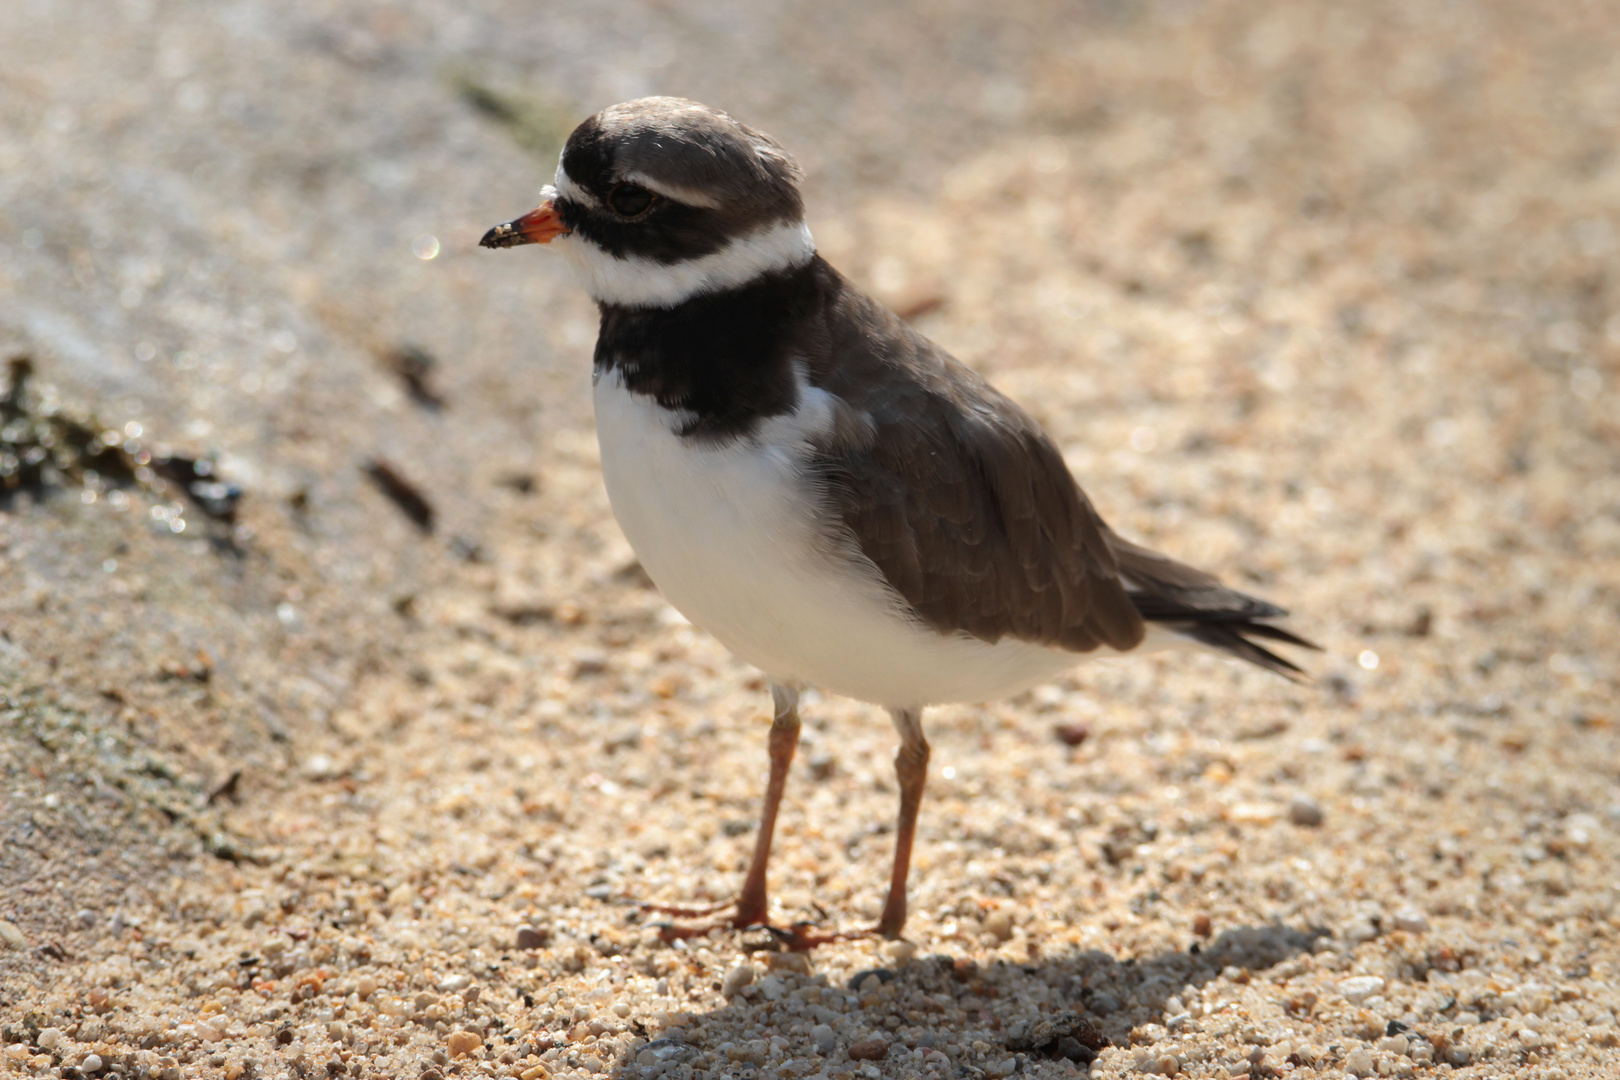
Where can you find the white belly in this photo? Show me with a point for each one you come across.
(728, 534)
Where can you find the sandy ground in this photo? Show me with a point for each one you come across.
(1321, 296)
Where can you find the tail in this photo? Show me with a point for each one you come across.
(1197, 606)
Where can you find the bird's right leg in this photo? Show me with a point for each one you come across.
(753, 902)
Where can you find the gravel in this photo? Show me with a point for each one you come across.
(737, 978)
(872, 1048)
(1360, 988)
(1411, 920)
(1304, 810)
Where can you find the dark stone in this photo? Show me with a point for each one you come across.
(884, 975)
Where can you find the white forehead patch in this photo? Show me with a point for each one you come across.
(641, 282)
(571, 191)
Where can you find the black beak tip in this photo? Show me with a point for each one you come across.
(501, 236)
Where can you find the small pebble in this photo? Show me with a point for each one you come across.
(1360, 988)
(1201, 925)
(590, 661)
(1103, 1004)
(858, 981)
(1074, 1050)
(823, 1039)
(796, 962)
(1359, 1062)
(873, 1048)
(91, 1063)
(1253, 813)
(12, 936)
(900, 951)
(1000, 924)
(1579, 830)
(1411, 920)
(1306, 811)
(737, 978)
(529, 938)
(1362, 928)
(753, 1052)
(1071, 734)
(49, 1038)
(461, 1043)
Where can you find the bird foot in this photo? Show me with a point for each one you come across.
(803, 936)
(743, 917)
(793, 937)
(703, 911)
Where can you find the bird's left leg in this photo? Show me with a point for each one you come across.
(911, 770)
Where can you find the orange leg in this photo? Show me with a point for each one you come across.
(911, 769)
(752, 905)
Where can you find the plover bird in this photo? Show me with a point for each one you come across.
(823, 489)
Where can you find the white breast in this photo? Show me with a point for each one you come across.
(730, 535)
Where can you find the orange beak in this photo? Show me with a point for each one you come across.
(539, 226)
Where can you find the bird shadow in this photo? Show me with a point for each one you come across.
(923, 1016)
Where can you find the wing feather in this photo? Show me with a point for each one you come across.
(957, 497)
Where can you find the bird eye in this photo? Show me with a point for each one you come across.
(630, 200)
